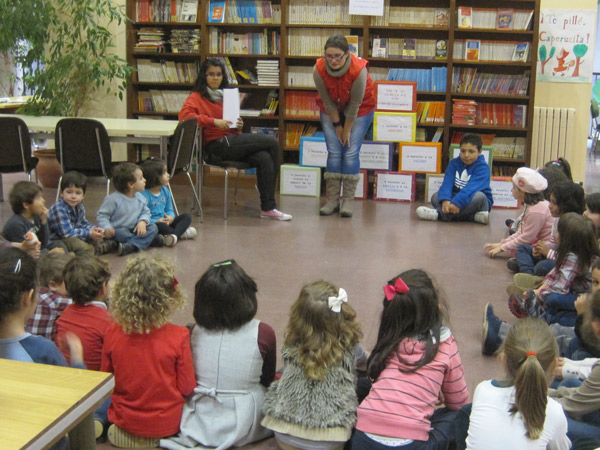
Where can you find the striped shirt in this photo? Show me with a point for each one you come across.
(400, 404)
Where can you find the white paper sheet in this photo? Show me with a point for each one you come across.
(231, 106)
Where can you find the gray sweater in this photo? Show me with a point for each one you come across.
(580, 400)
(120, 211)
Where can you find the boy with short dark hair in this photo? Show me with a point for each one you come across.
(125, 216)
(465, 194)
(52, 294)
(67, 221)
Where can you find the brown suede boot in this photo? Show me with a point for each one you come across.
(332, 184)
(349, 183)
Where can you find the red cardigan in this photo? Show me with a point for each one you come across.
(206, 112)
(153, 372)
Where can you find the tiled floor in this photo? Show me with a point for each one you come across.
(359, 254)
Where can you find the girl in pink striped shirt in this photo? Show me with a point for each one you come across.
(414, 367)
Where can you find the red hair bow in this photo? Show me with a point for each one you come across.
(399, 287)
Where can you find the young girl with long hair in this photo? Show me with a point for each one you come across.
(313, 405)
(536, 224)
(160, 203)
(224, 141)
(555, 298)
(149, 357)
(414, 365)
(234, 358)
(517, 413)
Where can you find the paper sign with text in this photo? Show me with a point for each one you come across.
(394, 127)
(502, 193)
(376, 155)
(433, 183)
(399, 96)
(394, 187)
(313, 152)
(296, 180)
(420, 157)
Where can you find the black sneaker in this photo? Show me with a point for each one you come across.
(106, 246)
(513, 265)
(126, 249)
(490, 341)
(159, 241)
(509, 223)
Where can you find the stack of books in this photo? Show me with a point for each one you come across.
(464, 112)
(271, 104)
(185, 40)
(151, 40)
(294, 131)
(267, 71)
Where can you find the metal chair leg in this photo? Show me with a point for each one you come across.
(237, 183)
(107, 187)
(173, 199)
(226, 189)
(198, 203)
(58, 189)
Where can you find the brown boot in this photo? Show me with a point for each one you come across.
(349, 183)
(332, 183)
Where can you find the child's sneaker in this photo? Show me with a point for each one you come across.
(170, 240)
(425, 213)
(106, 246)
(527, 281)
(490, 339)
(513, 265)
(482, 217)
(158, 241)
(516, 305)
(190, 233)
(509, 223)
(126, 249)
(275, 214)
(121, 438)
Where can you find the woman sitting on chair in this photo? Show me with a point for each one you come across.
(223, 143)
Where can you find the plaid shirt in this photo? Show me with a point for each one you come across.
(50, 307)
(566, 278)
(65, 221)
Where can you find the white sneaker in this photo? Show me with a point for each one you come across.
(482, 217)
(275, 214)
(170, 240)
(190, 233)
(425, 213)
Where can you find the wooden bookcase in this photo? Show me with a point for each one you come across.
(366, 28)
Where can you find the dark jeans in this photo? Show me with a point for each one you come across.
(177, 227)
(441, 434)
(258, 150)
(589, 425)
(560, 308)
(530, 264)
(478, 203)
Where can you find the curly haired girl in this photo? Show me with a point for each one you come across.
(313, 405)
(149, 357)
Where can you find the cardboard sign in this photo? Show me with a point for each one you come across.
(502, 193)
(296, 180)
(313, 151)
(486, 150)
(433, 183)
(394, 127)
(361, 187)
(396, 96)
(394, 187)
(420, 157)
(376, 155)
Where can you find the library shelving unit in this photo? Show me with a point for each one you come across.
(294, 36)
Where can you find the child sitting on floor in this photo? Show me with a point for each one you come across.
(53, 297)
(592, 210)
(160, 202)
(149, 357)
(528, 188)
(465, 194)
(124, 215)
(67, 221)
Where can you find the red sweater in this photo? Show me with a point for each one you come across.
(153, 372)
(206, 112)
(89, 322)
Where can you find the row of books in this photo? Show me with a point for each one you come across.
(267, 72)
(265, 43)
(431, 113)
(321, 12)
(415, 16)
(476, 50)
(150, 71)
(468, 79)
(151, 39)
(161, 101)
(503, 171)
(301, 105)
(470, 112)
(269, 109)
(428, 80)
(310, 41)
(408, 48)
(294, 131)
(244, 11)
(166, 11)
(498, 18)
(504, 147)
(486, 139)
(300, 76)
(271, 131)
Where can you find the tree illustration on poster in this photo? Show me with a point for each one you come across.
(544, 57)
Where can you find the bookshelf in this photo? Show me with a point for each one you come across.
(472, 61)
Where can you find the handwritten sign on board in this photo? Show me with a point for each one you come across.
(433, 183)
(394, 186)
(394, 127)
(420, 157)
(313, 152)
(502, 193)
(396, 96)
(366, 7)
(376, 155)
(296, 180)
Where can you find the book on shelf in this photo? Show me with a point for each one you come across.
(470, 112)
(267, 72)
(437, 136)
(352, 44)
(310, 41)
(265, 43)
(150, 71)
(472, 49)
(271, 104)
(246, 76)
(431, 113)
(521, 52)
(161, 101)
(379, 48)
(441, 17)
(185, 40)
(441, 49)
(301, 104)
(300, 76)
(465, 17)
(471, 80)
(318, 12)
(486, 139)
(189, 11)
(409, 49)
(428, 80)
(294, 131)
(271, 131)
(412, 16)
(488, 50)
(504, 19)
(217, 11)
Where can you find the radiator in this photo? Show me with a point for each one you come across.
(552, 134)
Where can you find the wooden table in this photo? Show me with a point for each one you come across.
(9, 105)
(40, 403)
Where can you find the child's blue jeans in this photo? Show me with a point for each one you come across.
(127, 236)
(530, 264)
(478, 203)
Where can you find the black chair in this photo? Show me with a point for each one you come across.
(180, 155)
(83, 145)
(15, 147)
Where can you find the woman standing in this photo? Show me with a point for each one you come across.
(222, 143)
(347, 101)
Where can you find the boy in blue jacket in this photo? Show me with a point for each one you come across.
(465, 194)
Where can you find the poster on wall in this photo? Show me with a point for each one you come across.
(566, 45)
